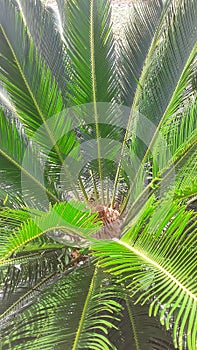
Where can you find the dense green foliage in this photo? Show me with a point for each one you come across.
(98, 163)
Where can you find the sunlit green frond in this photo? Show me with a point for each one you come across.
(64, 135)
(46, 38)
(172, 156)
(25, 75)
(177, 151)
(13, 146)
(97, 159)
(139, 33)
(92, 60)
(186, 170)
(159, 262)
(179, 130)
(31, 87)
(180, 134)
(168, 67)
(68, 223)
(11, 218)
(74, 312)
(91, 51)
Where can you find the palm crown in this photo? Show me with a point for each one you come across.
(98, 176)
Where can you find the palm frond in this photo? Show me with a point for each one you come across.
(14, 172)
(142, 127)
(132, 171)
(36, 100)
(11, 218)
(68, 223)
(137, 331)
(172, 152)
(91, 51)
(180, 134)
(25, 75)
(22, 275)
(159, 262)
(180, 129)
(134, 47)
(92, 60)
(169, 66)
(177, 151)
(187, 165)
(87, 294)
(151, 95)
(46, 37)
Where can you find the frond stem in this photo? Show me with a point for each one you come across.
(94, 88)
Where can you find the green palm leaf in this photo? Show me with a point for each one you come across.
(11, 218)
(13, 145)
(130, 168)
(46, 38)
(151, 96)
(158, 261)
(65, 222)
(91, 55)
(174, 59)
(91, 51)
(92, 299)
(152, 101)
(134, 47)
(173, 151)
(137, 331)
(38, 99)
(22, 275)
(35, 99)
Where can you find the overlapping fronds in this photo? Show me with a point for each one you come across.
(13, 146)
(136, 328)
(158, 260)
(25, 75)
(91, 51)
(27, 274)
(53, 316)
(134, 47)
(65, 222)
(168, 69)
(65, 134)
(46, 38)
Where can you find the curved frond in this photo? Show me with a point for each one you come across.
(167, 70)
(159, 262)
(68, 223)
(23, 276)
(134, 47)
(180, 135)
(75, 312)
(25, 76)
(137, 331)
(13, 146)
(186, 170)
(171, 164)
(11, 218)
(46, 38)
(64, 135)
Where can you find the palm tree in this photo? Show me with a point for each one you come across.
(98, 176)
